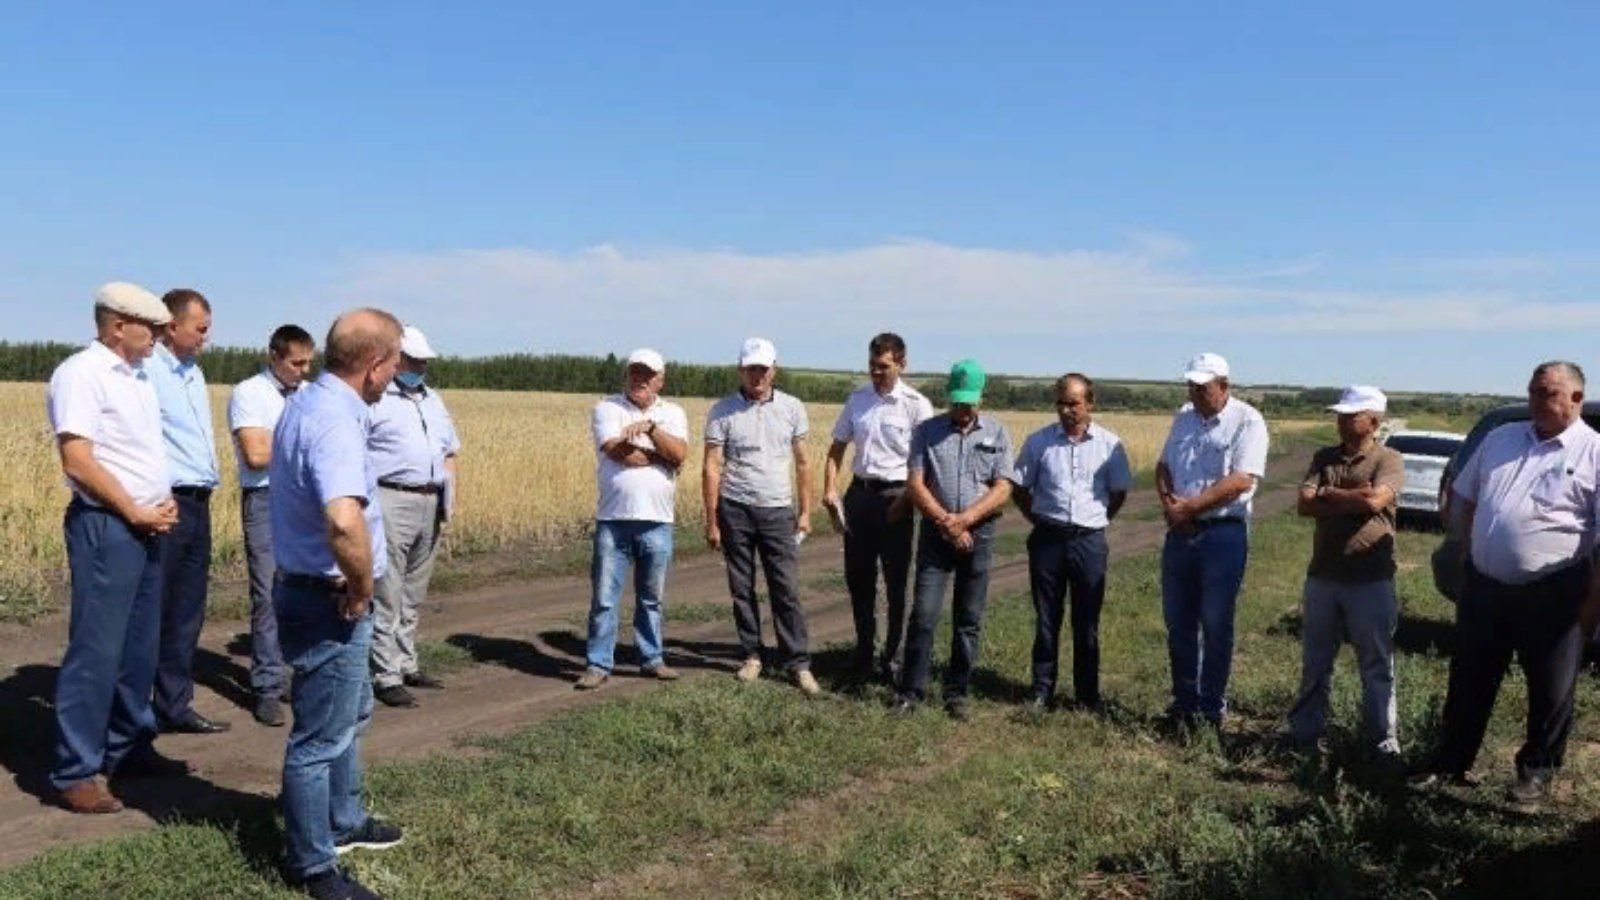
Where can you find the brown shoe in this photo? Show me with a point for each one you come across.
(660, 672)
(592, 678)
(90, 798)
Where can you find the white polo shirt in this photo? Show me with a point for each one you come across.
(95, 394)
(635, 493)
(1536, 500)
(257, 402)
(1201, 452)
(880, 426)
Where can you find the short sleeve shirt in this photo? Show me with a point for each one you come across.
(1535, 500)
(958, 467)
(757, 440)
(319, 454)
(97, 395)
(635, 493)
(1071, 481)
(185, 419)
(257, 402)
(1356, 547)
(880, 426)
(412, 433)
(1202, 451)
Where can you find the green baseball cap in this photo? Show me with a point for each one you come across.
(966, 382)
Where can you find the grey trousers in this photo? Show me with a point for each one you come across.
(767, 532)
(411, 531)
(268, 673)
(1365, 614)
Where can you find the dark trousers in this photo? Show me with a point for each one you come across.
(268, 672)
(937, 561)
(103, 690)
(185, 566)
(1538, 622)
(768, 532)
(1200, 578)
(871, 541)
(1062, 559)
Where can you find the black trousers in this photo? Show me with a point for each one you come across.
(767, 532)
(185, 569)
(1063, 559)
(1539, 623)
(872, 541)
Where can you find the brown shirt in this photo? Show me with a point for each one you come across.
(1357, 547)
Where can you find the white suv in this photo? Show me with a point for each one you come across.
(1426, 453)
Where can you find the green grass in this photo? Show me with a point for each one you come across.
(440, 657)
(714, 789)
(694, 613)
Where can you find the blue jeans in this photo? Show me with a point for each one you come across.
(332, 705)
(1200, 578)
(937, 562)
(185, 568)
(103, 690)
(618, 545)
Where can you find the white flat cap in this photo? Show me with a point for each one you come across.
(1361, 398)
(132, 301)
(757, 352)
(414, 344)
(1204, 368)
(648, 358)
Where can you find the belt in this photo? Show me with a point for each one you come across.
(193, 491)
(315, 582)
(253, 490)
(1221, 520)
(429, 489)
(1068, 530)
(878, 484)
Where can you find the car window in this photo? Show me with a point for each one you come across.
(1419, 445)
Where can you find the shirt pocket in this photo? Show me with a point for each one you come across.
(1561, 489)
(896, 438)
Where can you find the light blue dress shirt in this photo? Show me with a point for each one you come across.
(319, 455)
(411, 435)
(186, 425)
(1071, 482)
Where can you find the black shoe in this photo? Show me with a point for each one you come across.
(195, 723)
(269, 711)
(1533, 789)
(423, 680)
(903, 706)
(374, 834)
(334, 884)
(149, 763)
(1038, 703)
(395, 695)
(957, 710)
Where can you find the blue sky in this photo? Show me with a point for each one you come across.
(1403, 194)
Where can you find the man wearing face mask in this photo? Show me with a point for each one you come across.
(958, 477)
(1215, 455)
(752, 437)
(253, 413)
(413, 447)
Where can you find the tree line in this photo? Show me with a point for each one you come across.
(574, 374)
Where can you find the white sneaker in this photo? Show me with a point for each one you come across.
(807, 683)
(750, 671)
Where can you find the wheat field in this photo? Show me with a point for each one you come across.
(526, 477)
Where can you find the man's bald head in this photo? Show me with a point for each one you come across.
(359, 338)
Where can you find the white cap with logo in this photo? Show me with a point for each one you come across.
(1361, 398)
(757, 352)
(648, 358)
(1205, 368)
(132, 301)
(414, 344)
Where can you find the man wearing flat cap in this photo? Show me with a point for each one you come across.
(107, 422)
(413, 448)
(1350, 491)
(752, 438)
(1214, 457)
(640, 442)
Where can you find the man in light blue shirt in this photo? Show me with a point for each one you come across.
(412, 447)
(1071, 478)
(191, 447)
(327, 526)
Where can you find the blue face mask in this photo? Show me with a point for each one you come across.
(409, 380)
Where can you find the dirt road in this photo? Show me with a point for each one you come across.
(527, 639)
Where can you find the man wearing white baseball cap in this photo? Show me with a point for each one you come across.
(640, 442)
(107, 422)
(1207, 474)
(412, 448)
(1350, 490)
(752, 436)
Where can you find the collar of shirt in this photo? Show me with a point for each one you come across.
(1089, 433)
(1570, 435)
(345, 394)
(283, 389)
(113, 360)
(179, 366)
